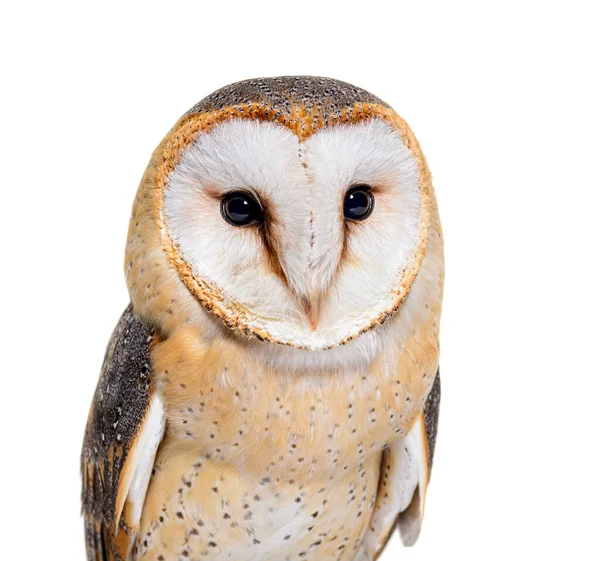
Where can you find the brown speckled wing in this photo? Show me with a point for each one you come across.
(120, 404)
(432, 412)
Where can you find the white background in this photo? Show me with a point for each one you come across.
(504, 98)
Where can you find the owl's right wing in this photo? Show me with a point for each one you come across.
(416, 457)
(404, 477)
(125, 426)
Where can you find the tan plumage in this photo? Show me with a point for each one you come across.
(282, 441)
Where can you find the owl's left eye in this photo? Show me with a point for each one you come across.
(241, 209)
(358, 203)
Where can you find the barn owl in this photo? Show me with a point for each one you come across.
(272, 390)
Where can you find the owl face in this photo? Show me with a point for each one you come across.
(306, 231)
(308, 240)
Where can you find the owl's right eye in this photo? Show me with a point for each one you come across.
(241, 209)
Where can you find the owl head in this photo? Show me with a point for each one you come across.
(292, 214)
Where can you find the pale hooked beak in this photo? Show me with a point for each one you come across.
(312, 308)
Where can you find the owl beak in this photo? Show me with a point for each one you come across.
(312, 308)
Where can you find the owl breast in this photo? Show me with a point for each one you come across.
(260, 464)
(207, 509)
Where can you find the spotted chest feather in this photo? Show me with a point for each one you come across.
(254, 458)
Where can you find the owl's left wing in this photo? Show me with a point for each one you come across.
(404, 477)
(124, 429)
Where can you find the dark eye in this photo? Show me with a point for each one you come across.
(241, 209)
(358, 203)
